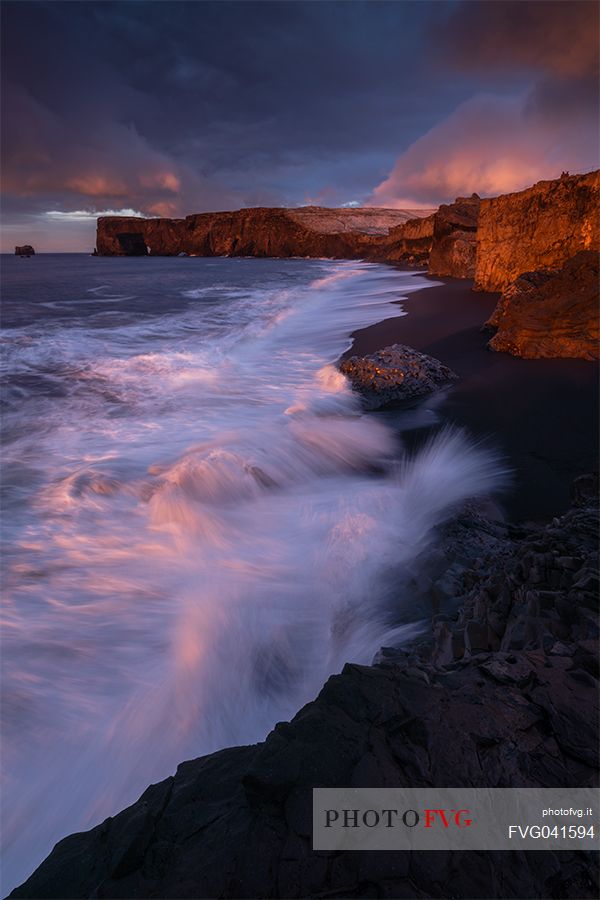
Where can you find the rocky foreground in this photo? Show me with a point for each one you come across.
(501, 690)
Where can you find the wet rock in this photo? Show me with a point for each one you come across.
(447, 709)
(397, 373)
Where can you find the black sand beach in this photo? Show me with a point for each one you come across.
(541, 414)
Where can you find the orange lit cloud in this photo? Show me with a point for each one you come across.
(164, 209)
(495, 143)
(490, 145)
(96, 186)
(166, 181)
(105, 162)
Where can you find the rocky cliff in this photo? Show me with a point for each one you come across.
(552, 312)
(539, 228)
(454, 238)
(409, 242)
(306, 231)
(502, 692)
(493, 240)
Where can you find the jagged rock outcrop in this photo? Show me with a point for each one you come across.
(396, 373)
(538, 228)
(306, 231)
(25, 250)
(551, 313)
(502, 692)
(409, 243)
(454, 238)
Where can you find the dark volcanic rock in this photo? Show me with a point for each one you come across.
(132, 243)
(25, 250)
(551, 313)
(503, 693)
(397, 373)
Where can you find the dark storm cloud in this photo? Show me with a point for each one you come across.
(172, 107)
(168, 108)
(555, 37)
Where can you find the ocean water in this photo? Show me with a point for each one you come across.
(199, 524)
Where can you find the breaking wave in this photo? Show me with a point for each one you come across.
(203, 528)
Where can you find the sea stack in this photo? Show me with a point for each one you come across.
(25, 250)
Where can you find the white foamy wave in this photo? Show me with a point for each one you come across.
(205, 528)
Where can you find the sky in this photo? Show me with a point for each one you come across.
(170, 108)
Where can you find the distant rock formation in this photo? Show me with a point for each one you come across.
(539, 228)
(308, 231)
(397, 373)
(409, 242)
(493, 241)
(454, 238)
(551, 313)
(500, 692)
(25, 250)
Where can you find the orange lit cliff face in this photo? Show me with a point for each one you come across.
(539, 228)
(551, 313)
(304, 232)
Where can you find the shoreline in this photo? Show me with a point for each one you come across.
(155, 842)
(535, 412)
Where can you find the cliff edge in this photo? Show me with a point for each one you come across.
(308, 231)
(539, 228)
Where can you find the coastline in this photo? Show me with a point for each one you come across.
(155, 847)
(541, 414)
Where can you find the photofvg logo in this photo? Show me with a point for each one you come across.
(410, 818)
(455, 819)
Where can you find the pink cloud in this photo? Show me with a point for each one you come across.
(490, 145)
(103, 161)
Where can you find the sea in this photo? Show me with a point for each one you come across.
(200, 524)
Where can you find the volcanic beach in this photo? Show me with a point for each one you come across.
(440, 552)
(487, 679)
(542, 414)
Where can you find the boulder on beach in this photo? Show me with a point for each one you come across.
(25, 250)
(396, 373)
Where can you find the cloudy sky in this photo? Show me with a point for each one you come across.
(168, 108)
